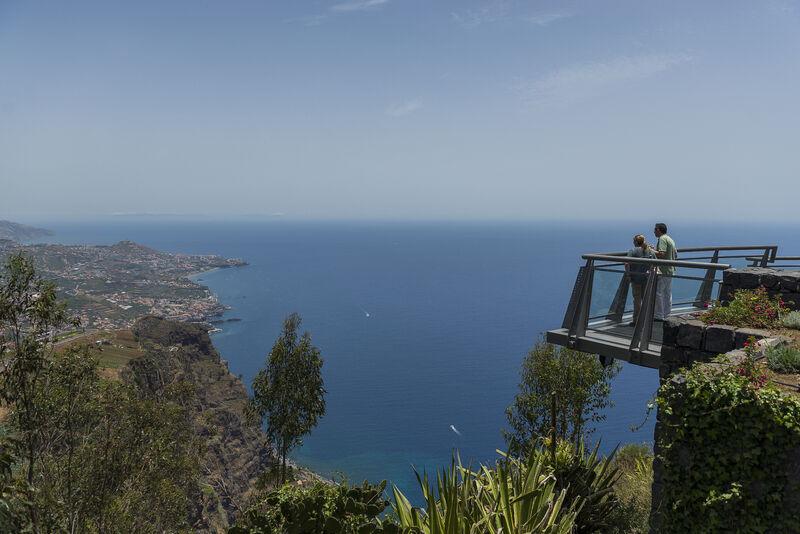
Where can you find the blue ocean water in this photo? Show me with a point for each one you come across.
(421, 325)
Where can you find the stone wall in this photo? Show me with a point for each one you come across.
(688, 340)
(783, 283)
(689, 332)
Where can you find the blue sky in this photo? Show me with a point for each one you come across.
(494, 109)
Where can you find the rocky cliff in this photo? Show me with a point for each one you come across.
(236, 452)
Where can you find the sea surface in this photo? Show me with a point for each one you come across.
(422, 326)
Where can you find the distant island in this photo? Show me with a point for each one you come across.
(109, 287)
(21, 233)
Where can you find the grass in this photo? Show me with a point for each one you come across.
(784, 359)
(113, 349)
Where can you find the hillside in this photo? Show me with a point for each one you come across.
(236, 452)
(20, 232)
(171, 352)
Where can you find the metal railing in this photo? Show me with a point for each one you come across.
(578, 316)
(775, 262)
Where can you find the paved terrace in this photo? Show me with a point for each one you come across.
(598, 318)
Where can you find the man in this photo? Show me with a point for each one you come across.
(665, 250)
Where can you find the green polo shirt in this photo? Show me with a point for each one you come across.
(667, 245)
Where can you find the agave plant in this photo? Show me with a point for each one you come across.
(588, 477)
(511, 497)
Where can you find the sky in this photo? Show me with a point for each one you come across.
(401, 109)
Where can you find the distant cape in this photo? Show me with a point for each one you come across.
(21, 232)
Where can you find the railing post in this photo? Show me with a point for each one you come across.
(617, 308)
(574, 298)
(580, 317)
(704, 293)
(765, 257)
(643, 330)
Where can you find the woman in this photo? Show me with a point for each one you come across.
(637, 272)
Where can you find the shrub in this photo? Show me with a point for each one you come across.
(633, 488)
(791, 320)
(784, 359)
(514, 495)
(581, 386)
(748, 368)
(587, 478)
(749, 308)
(320, 507)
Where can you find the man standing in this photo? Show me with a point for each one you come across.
(665, 250)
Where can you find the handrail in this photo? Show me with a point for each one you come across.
(657, 262)
(720, 248)
(729, 247)
(776, 258)
(577, 317)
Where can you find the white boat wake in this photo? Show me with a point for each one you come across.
(454, 429)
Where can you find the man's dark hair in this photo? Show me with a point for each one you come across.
(661, 227)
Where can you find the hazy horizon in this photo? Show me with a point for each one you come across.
(503, 110)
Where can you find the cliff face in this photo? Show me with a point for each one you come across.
(236, 452)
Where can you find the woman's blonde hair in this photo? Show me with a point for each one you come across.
(639, 241)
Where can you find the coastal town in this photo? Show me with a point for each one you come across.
(108, 287)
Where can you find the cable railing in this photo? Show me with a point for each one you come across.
(589, 310)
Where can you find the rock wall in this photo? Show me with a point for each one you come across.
(783, 283)
(669, 431)
(688, 340)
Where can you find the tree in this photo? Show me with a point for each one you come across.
(30, 315)
(110, 458)
(96, 455)
(288, 394)
(575, 382)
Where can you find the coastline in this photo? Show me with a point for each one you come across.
(213, 321)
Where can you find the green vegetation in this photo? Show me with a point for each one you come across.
(83, 453)
(784, 359)
(586, 478)
(79, 453)
(29, 312)
(791, 320)
(319, 508)
(633, 488)
(550, 491)
(512, 496)
(725, 448)
(288, 393)
(753, 308)
(572, 383)
(15, 493)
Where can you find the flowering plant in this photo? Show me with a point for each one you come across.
(749, 307)
(748, 369)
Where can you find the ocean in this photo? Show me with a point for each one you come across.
(422, 326)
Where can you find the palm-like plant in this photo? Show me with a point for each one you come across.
(588, 477)
(512, 497)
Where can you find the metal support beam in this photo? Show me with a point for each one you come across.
(580, 319)
(704, 293)
(617, 308)
(643, 330)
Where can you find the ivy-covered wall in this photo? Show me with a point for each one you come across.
(727, 454)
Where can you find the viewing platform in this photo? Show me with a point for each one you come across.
(599, 318)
